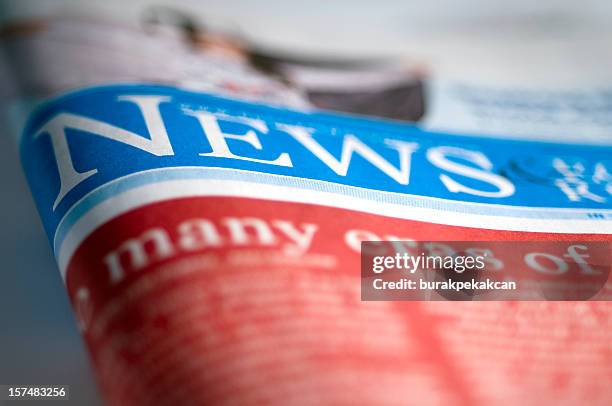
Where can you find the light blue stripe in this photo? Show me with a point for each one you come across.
(135, 180)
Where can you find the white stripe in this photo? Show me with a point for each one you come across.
(164, 190)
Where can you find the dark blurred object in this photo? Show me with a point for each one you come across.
(374, 88)
(381, 88)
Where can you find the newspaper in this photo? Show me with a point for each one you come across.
(207, 215)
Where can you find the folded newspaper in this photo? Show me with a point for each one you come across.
(209, 201)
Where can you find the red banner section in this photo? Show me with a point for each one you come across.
(243, 301)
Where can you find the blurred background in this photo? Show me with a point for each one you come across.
(544, 44)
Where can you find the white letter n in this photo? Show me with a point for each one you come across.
(158, 144)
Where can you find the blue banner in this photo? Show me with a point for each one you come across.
(74, 144)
